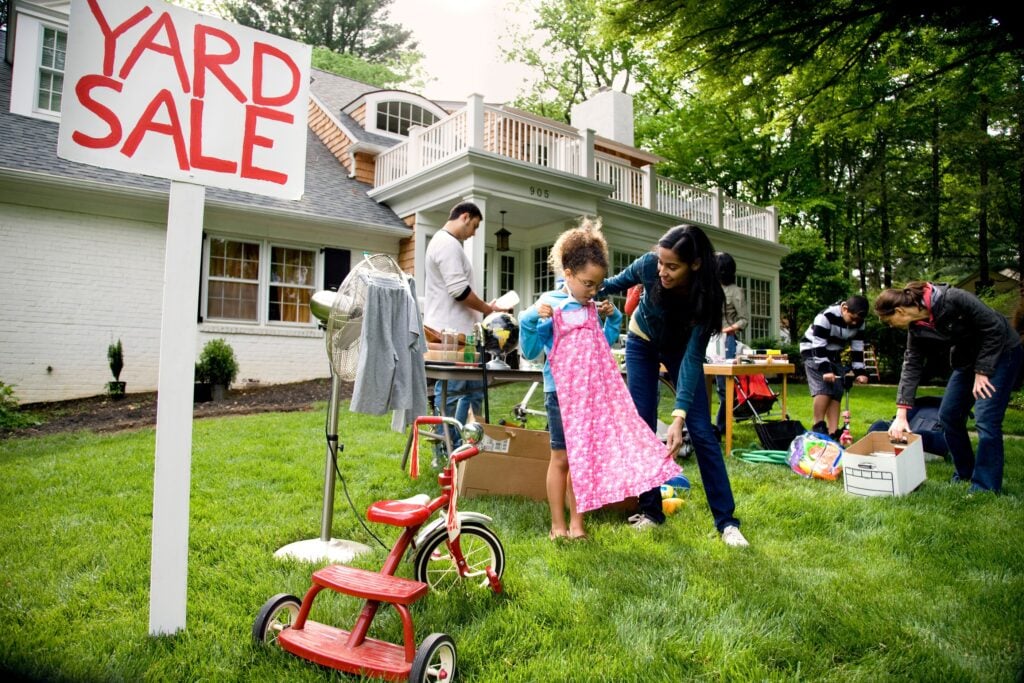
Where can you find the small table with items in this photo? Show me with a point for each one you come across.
(733, 370)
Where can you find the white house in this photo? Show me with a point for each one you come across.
(82, 248)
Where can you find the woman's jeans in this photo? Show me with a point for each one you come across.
(643, 362)
(986, 472)
(730, 352)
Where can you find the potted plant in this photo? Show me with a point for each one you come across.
(115, 356)
(217, 366)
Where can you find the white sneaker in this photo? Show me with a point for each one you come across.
(641, 522)
(731, 536)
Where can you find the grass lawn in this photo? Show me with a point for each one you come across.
(925, 587)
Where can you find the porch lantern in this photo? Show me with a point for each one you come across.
(502, 235)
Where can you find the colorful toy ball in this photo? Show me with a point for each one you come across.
(679, 482)
(667, 491)
(671, 505)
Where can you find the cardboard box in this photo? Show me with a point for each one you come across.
(511, 462)
(871, 466)
(514, 462)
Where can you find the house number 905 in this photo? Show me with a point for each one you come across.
(539, 192)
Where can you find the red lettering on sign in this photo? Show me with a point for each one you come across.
(259, 52)
(147, 42)
(195, 144)
(83, 90)
(204, 61)
(251, 139)
(110, 37)
(146, 123)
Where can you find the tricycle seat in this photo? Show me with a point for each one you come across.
(402, 513)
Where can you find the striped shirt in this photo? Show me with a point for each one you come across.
(825, 339)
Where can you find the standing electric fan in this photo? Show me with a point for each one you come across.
(342, 313)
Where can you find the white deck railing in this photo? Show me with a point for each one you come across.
(518, 137)
(686, 201)
(748, 219)
(524, 139)
(629, 182)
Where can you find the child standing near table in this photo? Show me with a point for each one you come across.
(598, 456)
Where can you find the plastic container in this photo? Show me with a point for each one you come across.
(508, 300)
(469, 355)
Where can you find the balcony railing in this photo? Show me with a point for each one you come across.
(559, 148)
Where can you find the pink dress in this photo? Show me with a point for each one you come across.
(612, 452)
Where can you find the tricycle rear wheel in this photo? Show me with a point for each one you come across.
(435, 660)
(277, 614)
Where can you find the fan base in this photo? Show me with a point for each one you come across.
(336, 550)
(497, 364)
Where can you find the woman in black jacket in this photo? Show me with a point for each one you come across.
(985, 354)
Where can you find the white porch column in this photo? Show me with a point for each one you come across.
(587, 153)
(475, 122)
(415, 143)
(423, 229)
(474, 246)
(774, 227)
(716, 208)
(650, 194)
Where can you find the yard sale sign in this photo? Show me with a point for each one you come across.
(160, 90)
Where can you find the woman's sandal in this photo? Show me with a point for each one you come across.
(552, 536)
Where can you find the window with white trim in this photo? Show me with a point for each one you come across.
(543, 278)
(758, 295)
(51, 69)
(259, 282)
(397, 117)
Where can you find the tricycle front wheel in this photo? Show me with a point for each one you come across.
(435, 566)
(277, 614)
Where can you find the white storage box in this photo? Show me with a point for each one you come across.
(871, 466)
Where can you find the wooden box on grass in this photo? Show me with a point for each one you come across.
(871, 466)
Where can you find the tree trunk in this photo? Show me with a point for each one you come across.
(883, 210)
(984, 279)
(934, 190)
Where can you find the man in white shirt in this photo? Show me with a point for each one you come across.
(450, 302)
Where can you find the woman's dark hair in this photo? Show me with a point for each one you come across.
(701, 301)
(891, 299)
(726, 268)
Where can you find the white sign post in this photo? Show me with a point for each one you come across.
(159, 90)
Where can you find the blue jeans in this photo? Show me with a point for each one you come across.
(461, 394)
(642, 364)
(730, 352)
(986, 472)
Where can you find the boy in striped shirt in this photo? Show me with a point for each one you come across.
(840, 324)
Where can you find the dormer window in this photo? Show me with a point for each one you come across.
(51, 70)
(397, 117)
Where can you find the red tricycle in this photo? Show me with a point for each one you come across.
(455, 546)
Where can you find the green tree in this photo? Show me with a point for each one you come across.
(355, 27)
(808, 280)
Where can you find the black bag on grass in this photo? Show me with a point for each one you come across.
(778, 435)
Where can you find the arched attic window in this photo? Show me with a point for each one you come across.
(393, 112)
(395, 116)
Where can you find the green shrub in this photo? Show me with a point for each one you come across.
(217, 364)
(115, 356)
(11, 416)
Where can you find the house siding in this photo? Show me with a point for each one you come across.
(407, 248)
(336, 142)
(64, 299)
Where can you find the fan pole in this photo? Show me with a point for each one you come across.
(327, 514)
(325, 548)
